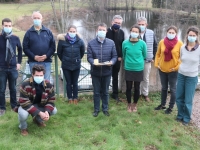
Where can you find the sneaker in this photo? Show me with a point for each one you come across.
(185, 123)
(160, 107)
(24, 132)
(95, 113)
(2, 112)
(118, 100)
(179, 120)
(168, 111)
(106, 113)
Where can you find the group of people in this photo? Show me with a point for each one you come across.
(177, 65)
(37, 95)
(177, 69)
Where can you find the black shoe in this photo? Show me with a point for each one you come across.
(168, 111)
(95, 113)
(106, 113)
(113, 96)
(179, 120)
(160, 107)
(118, 100)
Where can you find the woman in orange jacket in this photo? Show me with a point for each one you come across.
(167, 61)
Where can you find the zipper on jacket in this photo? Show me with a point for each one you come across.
(72, 55)
(101, 59)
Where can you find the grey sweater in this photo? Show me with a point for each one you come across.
(189, 62)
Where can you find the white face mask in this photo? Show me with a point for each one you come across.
(37, 22)
(134, 35)
(101, 34)
(7, 30)
(170, 36)
(38, 79)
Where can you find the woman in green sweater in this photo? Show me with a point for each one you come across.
(134, 52)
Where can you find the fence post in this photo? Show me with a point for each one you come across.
(64, 86)
(56, 73)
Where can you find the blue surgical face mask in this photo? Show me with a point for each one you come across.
(37, 22)
(142, 28)
(192, 39)
(170, 36)
(101, 34)
(7, 30)
(38, 79)
(134, 35)
(116, 26)
(72, 35)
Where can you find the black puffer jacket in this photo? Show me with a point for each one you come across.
(105, 51)
(70, 54)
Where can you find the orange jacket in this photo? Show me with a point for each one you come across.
(173, 64)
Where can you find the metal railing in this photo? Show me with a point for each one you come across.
(58, 80)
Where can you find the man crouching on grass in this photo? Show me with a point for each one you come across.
(37, 98)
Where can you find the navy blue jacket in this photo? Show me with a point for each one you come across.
(105, 51)
(41, 43)
(70, 54)
(15, 42)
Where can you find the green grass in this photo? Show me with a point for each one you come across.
(14, 11)
(74, 128)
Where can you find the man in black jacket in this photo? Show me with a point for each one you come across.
(39, 45)
(10, 46)
(117, 35)
(101, 54)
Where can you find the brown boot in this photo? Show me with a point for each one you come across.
(129, 108)
(70, 101)
(147, 99)
(75, 101)
(24, 132)
(134, 107)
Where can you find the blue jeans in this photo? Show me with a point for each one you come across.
(101, 88)
(23, 115)
(71, 78)
(171, 79)
(47, 66)
(11, 76)
(184, 96)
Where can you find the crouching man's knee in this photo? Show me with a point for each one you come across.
(22, 114)
(54, 111)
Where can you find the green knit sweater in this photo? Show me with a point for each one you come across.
(134, 55)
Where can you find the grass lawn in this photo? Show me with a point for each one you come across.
(74, 128)
(14, 11)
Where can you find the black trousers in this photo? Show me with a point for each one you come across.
(115, 71)
(136, 91)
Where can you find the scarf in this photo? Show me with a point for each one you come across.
(71, 40)
(9, 49)
(169, 44)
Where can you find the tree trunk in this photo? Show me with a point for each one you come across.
(55, 15)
